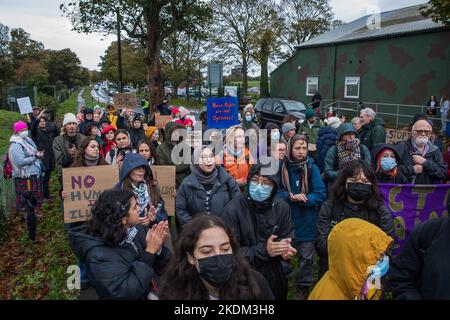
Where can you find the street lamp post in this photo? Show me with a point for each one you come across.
(119, 51)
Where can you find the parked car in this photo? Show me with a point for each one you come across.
(275, 109)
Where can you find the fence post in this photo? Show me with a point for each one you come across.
(396, 120)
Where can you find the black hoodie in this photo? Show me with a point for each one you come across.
(382, 177)
(252, 223)
(121, 272)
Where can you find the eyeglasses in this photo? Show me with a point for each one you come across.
(421, 132)
(207, 157)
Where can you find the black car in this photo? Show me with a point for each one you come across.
(275, 109)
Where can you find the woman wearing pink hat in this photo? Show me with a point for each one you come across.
(25, 161)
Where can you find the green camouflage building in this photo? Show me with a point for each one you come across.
(404, 61)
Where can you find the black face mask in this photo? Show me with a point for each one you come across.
(359, 191)
(217, 270)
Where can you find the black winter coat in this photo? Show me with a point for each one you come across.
(434, 169)
(191, 197)
(121, 272)
(253, 229)
(421, 270)
(326, 139)
(330, 214)
(44, 142)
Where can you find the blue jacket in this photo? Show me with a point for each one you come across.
(304, 215)
(22, 155)
(132, 161)
(326, 139)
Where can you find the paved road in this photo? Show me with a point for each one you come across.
(80, 101)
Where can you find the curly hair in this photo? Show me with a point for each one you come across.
(181, 281)
(107, 214)
(353, 169)
(80, 158)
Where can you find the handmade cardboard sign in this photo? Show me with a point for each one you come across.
(84, 186)
(165, 175)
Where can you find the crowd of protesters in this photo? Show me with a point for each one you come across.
(238, 226)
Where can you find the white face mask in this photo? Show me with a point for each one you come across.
(24, 134)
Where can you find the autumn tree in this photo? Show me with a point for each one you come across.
(148, 22)
(305, 19)
(31, 73)
(438, 10)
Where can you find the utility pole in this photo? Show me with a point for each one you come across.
(119, 52)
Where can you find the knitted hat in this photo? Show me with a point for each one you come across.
(108, 129)
(150, 131)
(287, 127)
(19, 125)
(334, 122)
(88, 110)
(309, 114)
(69, 118)
(175, 110)
(187, 122)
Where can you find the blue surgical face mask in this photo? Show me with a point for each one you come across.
(260, 193)
(388, 163)
(248, 118)
(275, 135)
(381, 267)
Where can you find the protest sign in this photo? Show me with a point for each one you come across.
(222, 113)
(84, 185)
(25, 105)
(161, 121)
(165, 175)
(125, 100)
(411, 205)
(393, 135)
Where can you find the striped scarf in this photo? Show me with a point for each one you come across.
(347, 151)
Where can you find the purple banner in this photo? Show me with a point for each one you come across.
(411, 205)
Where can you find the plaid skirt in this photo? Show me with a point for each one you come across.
(36, 188)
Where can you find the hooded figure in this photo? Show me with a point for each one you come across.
(86, 122)
(343, 152)
(164, 152)
(253, 222)
(136, 134)
(326, 139)
(204, 192)
(386, 165)
(348, 277)
(143, 194)
(248, 122)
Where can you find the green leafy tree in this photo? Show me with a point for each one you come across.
(438, 10)
(64, 65)
(148, 22)
(133, 66)
(22, 47)
(6, 67)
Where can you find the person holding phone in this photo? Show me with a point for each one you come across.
(262, 225)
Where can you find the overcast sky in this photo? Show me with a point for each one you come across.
(42, 19)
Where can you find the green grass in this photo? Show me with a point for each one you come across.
(90, 103)
(251, 83)
(36, 271)
(189, 104)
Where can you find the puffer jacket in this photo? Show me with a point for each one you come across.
(332, 213)
(191, 198)
(373, 133)
(326, 139)
(121, 272)
(22, 155)
(346, 277)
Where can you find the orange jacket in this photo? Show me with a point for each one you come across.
(237, 167)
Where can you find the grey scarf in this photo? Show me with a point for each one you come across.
(91, 161)
(202, 177)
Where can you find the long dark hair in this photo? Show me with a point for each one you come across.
(152, 186)
(107, 214)
(151, 146)
(181, 281)
(352, 169)
(81, 154)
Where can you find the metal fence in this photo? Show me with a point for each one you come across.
(395, 115)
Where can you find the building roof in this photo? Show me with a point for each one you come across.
(395, 22)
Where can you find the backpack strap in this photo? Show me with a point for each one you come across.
(338, 214)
